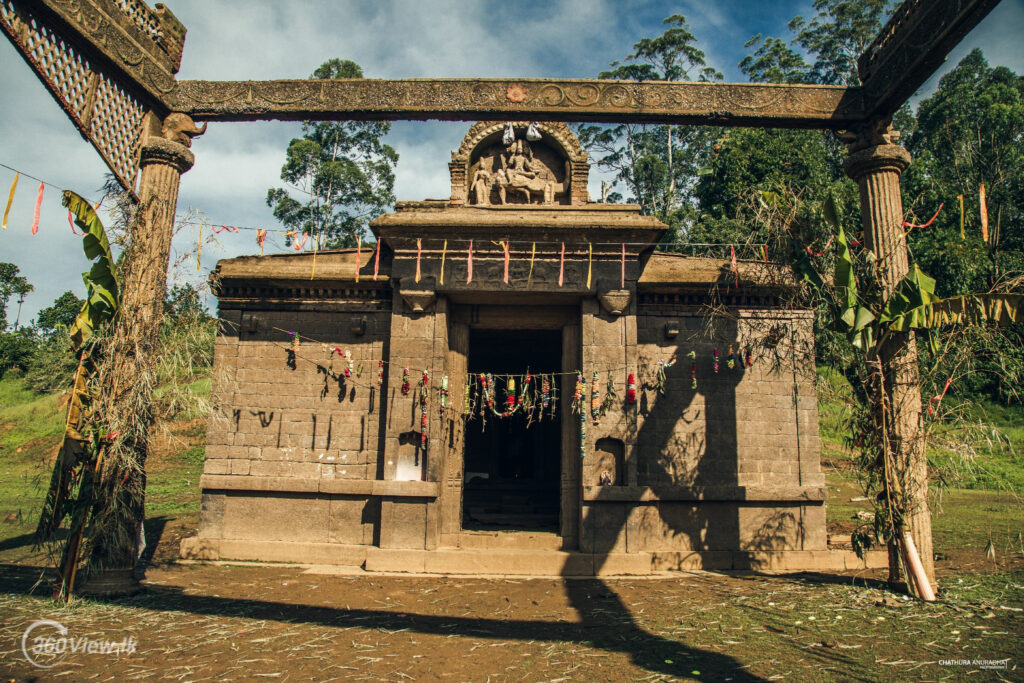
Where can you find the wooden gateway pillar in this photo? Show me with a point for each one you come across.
(876, 164)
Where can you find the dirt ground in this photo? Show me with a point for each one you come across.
(218, 622)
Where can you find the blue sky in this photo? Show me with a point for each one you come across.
(259, 39)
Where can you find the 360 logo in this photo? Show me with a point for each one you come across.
(49, 643)
(46, 643)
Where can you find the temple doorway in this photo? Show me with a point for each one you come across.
(512, 466)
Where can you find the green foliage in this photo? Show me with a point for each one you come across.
(839, 32)
(16, 350)
(183, 302)
(10, 284)
(657, 165)
(102, 292)
(60, 315)
(343, 171)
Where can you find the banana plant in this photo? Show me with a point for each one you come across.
(102, 292)
(868, 319)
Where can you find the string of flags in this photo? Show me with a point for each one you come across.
(299, 240)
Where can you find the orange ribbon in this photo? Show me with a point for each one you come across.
(561, 265)
(908, 224)
(984, 213)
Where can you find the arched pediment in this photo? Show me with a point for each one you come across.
(549, 170)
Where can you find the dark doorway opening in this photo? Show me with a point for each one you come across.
(513, 466)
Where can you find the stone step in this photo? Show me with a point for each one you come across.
(491, 561)
(510, 540)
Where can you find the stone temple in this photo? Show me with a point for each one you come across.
(325, 446)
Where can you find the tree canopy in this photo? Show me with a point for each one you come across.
(341, 171)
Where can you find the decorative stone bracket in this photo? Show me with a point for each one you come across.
(614, 301)
(418, 300)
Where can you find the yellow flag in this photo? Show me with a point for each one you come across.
(962, 234)
(10, 198)
(199, 251)
(590, 260)
(444, 252)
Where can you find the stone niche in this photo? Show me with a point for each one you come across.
(550, 171)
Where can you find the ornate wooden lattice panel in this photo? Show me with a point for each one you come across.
(106, 114)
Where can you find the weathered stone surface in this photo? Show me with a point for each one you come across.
(729, 467)
(719, 104)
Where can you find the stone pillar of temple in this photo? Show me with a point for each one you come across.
(127, 378)
(876, 164)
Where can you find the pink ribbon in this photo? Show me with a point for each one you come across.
(39, 204)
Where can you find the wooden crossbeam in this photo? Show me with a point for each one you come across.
(911, 46)
(718, 104)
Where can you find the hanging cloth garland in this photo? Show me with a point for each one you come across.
(939, 397)
(419, 249)
(545, 393)
(715, 365)
(444, 395)
(730, 360)
(533, 254)
(981, 197)
(590, 262)
(631, 389)
(424, 401)
(261, 239)
(359, 256)
(561, 266)
(39, 204)
(10, 198)
(577, 404)
(405, 381)
(380, 373)
(750, 357)
(595, 399)
(469, 264)
(465, 400)
(963, 235)
(376, 261)
(444, 253)
(692, 355)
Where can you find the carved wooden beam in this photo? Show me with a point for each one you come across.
(911, 46)
(719, 104)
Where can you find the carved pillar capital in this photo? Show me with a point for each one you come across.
(881, 158)
(167, 153)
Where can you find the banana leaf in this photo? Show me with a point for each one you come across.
(999, 309)
(102, 291)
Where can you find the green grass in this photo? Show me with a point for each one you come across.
(30, 429)
(982, 450)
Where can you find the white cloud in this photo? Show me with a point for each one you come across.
(261, 39)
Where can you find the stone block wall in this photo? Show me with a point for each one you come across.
(289, 436)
